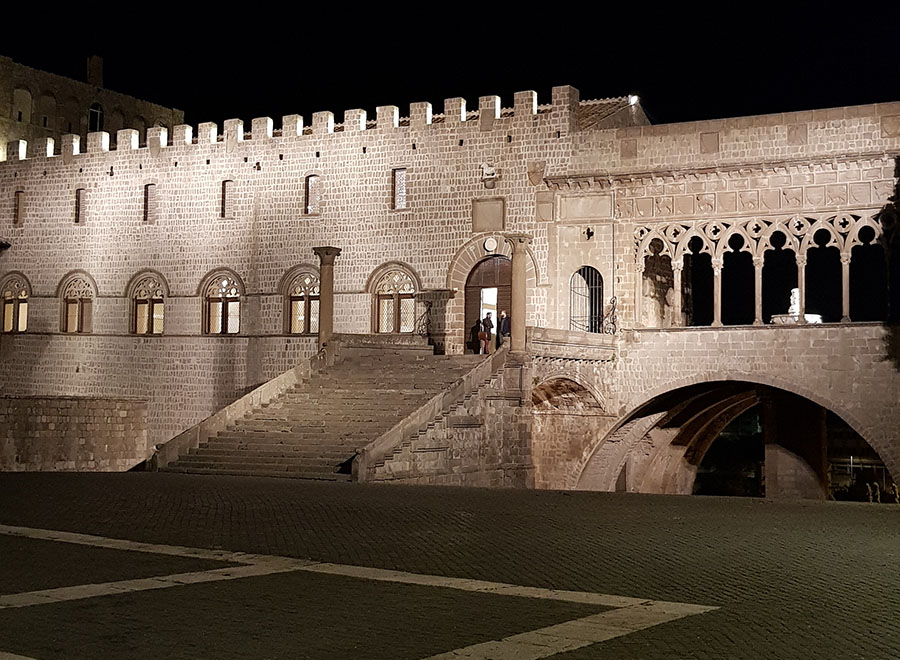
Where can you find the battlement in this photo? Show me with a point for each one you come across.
(561, 116)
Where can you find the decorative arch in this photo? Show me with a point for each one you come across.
(376, 275)
(300, 289)
(76, 291)
(586, 303)
(473, 251)
(393, 287)
(15, 290)
(221, 292)
(22, 104)
(147, 293)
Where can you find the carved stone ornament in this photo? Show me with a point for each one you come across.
(536, 171)
(489, 175)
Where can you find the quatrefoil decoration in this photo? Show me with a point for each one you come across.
(713, 230)
(755, 228)
(798, 226)
(843, 223)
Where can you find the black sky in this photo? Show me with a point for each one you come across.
(686, 62)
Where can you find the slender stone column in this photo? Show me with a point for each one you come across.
(677, 267)
(326, 292)
(757, 290)
(845, 301)
(801, 286)
(639, 295)
(717, 292)
(519, 244)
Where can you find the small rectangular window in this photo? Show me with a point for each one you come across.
(226, 211)
(19, 209)
(150, 203)
(399, 188)
(313, 194)
(79, 206)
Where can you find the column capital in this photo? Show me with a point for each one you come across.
(678, 265)
(845, 258)
(518, 242)
(758, 262)
(327, 254)
(717, 263)
(801, 259)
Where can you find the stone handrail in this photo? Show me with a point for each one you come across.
(368, 456)
(192, 438)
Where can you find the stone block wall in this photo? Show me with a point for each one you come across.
(72, 434)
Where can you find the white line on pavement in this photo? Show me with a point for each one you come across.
(627, 615)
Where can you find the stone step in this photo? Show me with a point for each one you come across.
(255, 462)
(243, 472)
(301, 452)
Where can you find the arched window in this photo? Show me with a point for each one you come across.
(395, 303)
(95, 118)
(14, 292)
(148, 305)
(303, 304)
(21, 106)
(586, 300)
(222, 304)
(77, 304)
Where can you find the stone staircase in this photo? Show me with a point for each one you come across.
(314, 429)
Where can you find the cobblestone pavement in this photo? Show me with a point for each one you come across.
(791, 580)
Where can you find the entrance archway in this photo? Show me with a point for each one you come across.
(488, 289)
(807, 450)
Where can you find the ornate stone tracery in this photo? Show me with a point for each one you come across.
(675, 240)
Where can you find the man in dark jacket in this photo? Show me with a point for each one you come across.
(502, 327)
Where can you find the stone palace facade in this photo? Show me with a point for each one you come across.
(648, 270)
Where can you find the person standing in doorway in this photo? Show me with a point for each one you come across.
(487, 327)
(502, 327)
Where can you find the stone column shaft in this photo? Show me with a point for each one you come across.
(326, 292)
(639, 296)
(676, 285)
(845, 288)
(519, 244)
(717, 292)
(801, 286)
(757, 290)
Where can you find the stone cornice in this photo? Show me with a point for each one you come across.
(609, 180)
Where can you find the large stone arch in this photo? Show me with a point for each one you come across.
(466, 258)
(603, 461)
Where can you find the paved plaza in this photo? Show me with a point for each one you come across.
(180, 566)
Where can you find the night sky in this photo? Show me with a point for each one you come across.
(729, 59)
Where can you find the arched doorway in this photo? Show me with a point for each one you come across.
(694, 440)
(488, 289)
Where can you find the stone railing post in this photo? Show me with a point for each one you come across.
(326, 292)
(519, 244)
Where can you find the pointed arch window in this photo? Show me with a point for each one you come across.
(77, 305)
(586, 300)
(222, 305)
(148, 306)
(14, 292)
(303, 304)
(395, 302)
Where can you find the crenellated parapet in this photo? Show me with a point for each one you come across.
(560, 117)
